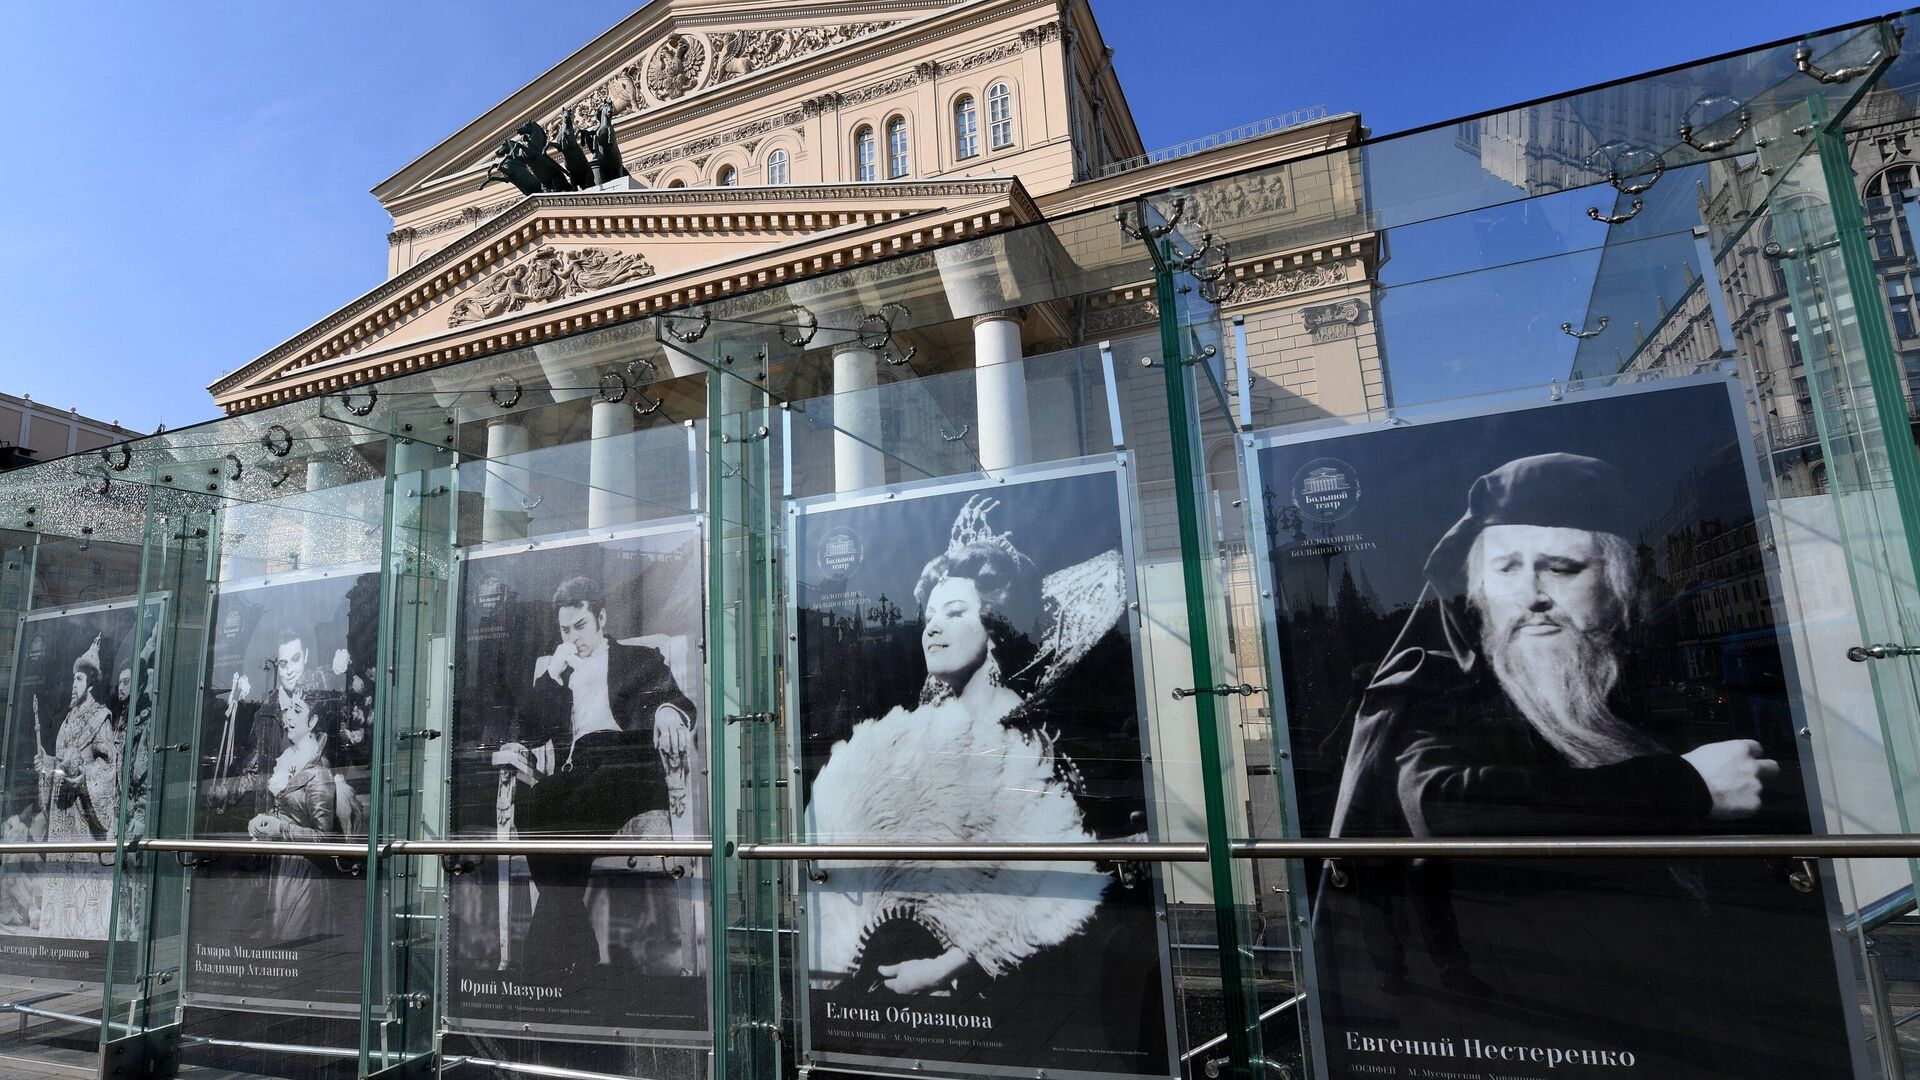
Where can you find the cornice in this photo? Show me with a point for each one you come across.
(629, 213)
(1032, 37)
(774, 82)
(874, 249)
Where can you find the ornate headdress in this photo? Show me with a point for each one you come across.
(971, 531)
(90, 660)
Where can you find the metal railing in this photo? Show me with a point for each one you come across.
(1219, 138)
(1837, 846)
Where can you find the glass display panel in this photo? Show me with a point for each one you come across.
(1171, 471)
(1561, 626)
(995, 701)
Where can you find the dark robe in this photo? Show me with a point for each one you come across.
(1700, 968)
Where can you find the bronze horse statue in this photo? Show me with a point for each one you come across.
(552, 177)
(606, 149)
(512, 167)
(578, 169)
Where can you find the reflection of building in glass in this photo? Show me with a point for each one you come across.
(1884, 148)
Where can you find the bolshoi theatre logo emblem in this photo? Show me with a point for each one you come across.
(841, 553)
(1326, 489)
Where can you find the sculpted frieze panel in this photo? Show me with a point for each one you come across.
(675, 67)
(1221, 204)
(681, 58)
(1305, 279)
(744, 52)
(550, 274)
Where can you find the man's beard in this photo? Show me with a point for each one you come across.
(1561, 683)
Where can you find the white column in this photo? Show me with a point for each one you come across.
(1000, 392)
(612, 468)
(505, 490)
(321, 476)
(857, 459)
(414, 455)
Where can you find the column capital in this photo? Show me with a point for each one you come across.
(1014, 314)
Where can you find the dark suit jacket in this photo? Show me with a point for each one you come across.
(638, 683)
(614, 776)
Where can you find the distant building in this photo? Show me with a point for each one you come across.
(31, 431)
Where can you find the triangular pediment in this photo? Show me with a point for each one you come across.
(668, 56)
(659, 248)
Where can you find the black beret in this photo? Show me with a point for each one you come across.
(1555, 490)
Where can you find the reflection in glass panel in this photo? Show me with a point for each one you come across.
(966, 129)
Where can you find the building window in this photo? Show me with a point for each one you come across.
(864, 168)
(1899, 305)
(729, 176)
(966, 129)
(777, 170)
(676, 183)
(1000, 115)
(1895, 182)
(897, 147)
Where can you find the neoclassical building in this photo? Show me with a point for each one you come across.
(767, 143)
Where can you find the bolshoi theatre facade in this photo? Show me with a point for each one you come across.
(826, 556)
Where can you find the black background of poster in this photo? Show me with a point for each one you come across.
(653, 588)
(233, 951)
(859, 655)
(1701, 969)
(50, 645)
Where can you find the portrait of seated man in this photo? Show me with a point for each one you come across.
(602, 725)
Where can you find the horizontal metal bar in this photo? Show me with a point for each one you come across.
(685, 849)
(1879, 913)
(1875, 846)
(49, 1014)
(257, 847)
(530, 1069)
(1878, 846)
(1264, 1017)
(1096, 852)
(291, 1049)
(87, 847)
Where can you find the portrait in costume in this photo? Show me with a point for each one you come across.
(75, 723)
(999, 707)
(1544, 595)
(576, 715)
(289, 685)
(80, 795)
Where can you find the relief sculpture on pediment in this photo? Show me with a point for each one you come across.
(675, 67)
(743, 52)
(550, 274)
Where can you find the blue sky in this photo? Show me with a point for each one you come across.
(192, 177)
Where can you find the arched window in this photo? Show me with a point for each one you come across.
(966, 129)
(778, 171)
(865, 169)
(897, 147)
(1895, 182)
(1000, 115)
(729, 176)
(676, 183)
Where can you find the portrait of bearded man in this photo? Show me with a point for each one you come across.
(1519, 714)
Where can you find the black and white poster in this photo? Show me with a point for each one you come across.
(286, 742)
(578, 715)
(1551, 620)
(75, 727)
(965, 673)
